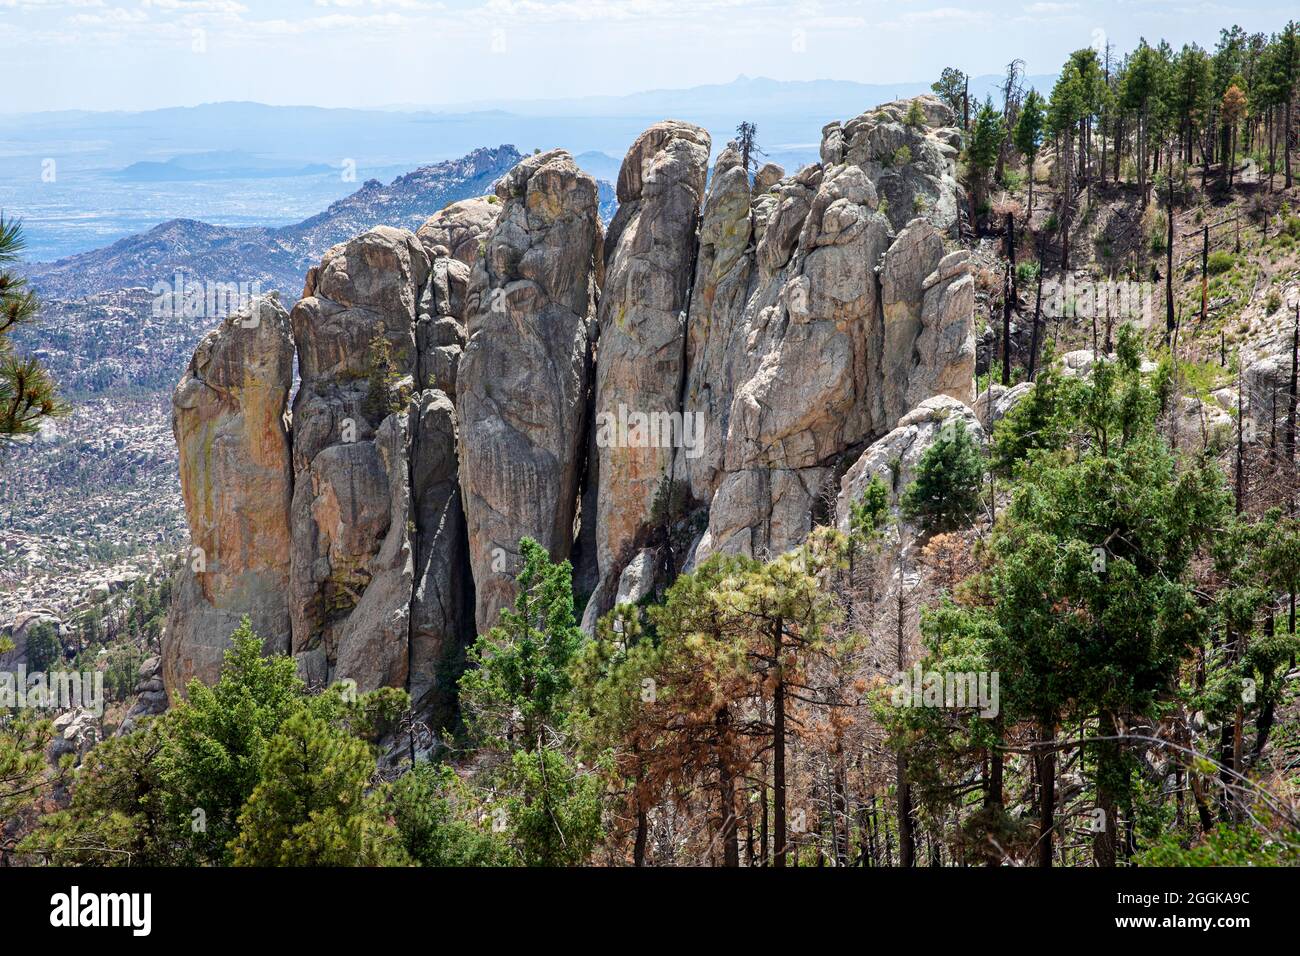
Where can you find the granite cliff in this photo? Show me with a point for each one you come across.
(700, 378)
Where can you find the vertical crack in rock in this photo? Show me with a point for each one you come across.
(442, 602)
(352, 565)
(521, 390)
(639, 360)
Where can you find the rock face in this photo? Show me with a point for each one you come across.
(442, 606)
(355, 516)
(812, 328)
(703, 380)
(451, 239)
(910, 156)
(724, 275)
(806, 371)
(352, 564)
(523, 382)
(894, 459)
(641, 354)
(150, 696)
(237, 482)
(1266, 394)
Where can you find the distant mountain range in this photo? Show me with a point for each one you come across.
(747, 98)
(274, 258)
(216, 165)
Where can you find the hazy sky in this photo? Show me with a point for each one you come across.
(139, 54)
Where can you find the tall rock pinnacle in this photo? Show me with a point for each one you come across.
(641, 355)
(522, 387)
(236, 479)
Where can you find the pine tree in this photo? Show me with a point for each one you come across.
(1089, 581)
(982, 154)
(951, 89)
(516, 698)
(515, 693)
(437, 818)
(217, 738)
(746, 143)
(118, 814)
(311, 806)
(27, 394)
(946, 493)
(1029, 136)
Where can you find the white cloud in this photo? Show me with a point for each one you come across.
(427, 5)
(942, 15)
(1050, 9)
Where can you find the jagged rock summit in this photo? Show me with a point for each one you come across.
(704, 378)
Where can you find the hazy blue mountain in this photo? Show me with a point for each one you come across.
(214, 165)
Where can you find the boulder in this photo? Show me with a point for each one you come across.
(913, 167)
(452, 239)
(457, 230)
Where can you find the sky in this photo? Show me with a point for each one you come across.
(145, 54)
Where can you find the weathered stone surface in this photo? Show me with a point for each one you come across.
(912, 167)
(75, 732)
(638, 578)
(993, 404)
(370, 644)
(806, 365)
(894, 459)
(19, 629)
(641, 352)
(522, 386)
(724, 274)
(767, 176)
(150, 699)
(1266, 394)
(452, 239)
(786, 329)
(945, 348)
(1204, 425)
(236, 480)
(912, 257)
(352, 563)
(442, 621)
(374, 280)
(455, 231)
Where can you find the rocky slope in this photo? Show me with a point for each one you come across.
(696, 381)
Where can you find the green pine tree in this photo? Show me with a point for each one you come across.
(216, 740)
(27, 394)
(514, 695)
(312, 806)
(946, 493)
